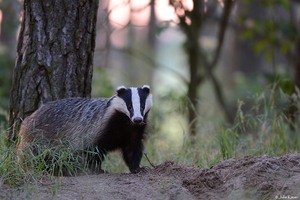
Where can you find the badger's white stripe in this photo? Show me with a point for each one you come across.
(148, 104)
(119, 104)
(136, 103)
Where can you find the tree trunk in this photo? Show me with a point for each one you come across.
(293, 109)
(196, 69)
(297, 64)
(193, 86)
(54, 55)
(199, 67)
(192, 49)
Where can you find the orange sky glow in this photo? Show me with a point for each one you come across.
(120, 11)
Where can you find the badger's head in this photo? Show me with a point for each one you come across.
(133, 102)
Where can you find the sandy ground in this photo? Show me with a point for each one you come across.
(247, 178)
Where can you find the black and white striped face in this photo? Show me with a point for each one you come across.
(134, 102)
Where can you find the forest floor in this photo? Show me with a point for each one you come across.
(246, 178)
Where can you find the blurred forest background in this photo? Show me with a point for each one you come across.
(225, 72)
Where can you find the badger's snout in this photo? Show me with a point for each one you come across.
(137, 120)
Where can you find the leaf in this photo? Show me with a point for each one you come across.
(259, 46)
(284, 3)
(285, 47)
(248, 34)
(269, 55)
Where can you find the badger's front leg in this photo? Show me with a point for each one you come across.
(132, 155)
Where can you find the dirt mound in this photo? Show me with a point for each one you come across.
(248, 178)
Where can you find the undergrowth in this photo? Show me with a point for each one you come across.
(263, 128)
(42, 160)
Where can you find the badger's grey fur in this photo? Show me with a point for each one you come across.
(112, 123)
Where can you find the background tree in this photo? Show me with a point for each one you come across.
(9, 26)
(8, 29)
(192, 22)
(54, 55)
(274, 35)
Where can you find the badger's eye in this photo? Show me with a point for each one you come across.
(143, 107)
(129, 108)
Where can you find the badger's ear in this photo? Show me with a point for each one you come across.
(146, 88)
(120, 90)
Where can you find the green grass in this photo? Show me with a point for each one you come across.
(58, 160)
(41, 160)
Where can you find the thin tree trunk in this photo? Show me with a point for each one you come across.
(193, 52)
(210, 67)
(193, 86)
(297, 64)
(293, 109)
(10, 10)
(54, 55)
(192, 49)
(152, 25)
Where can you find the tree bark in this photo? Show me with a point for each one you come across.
(54, 55)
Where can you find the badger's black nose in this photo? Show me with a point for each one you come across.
(137, 120)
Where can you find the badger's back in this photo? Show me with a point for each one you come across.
(76, 120)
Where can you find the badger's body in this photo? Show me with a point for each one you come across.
(107, 124)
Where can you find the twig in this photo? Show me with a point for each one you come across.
(149, 160)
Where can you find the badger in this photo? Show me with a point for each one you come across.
(116, 123)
